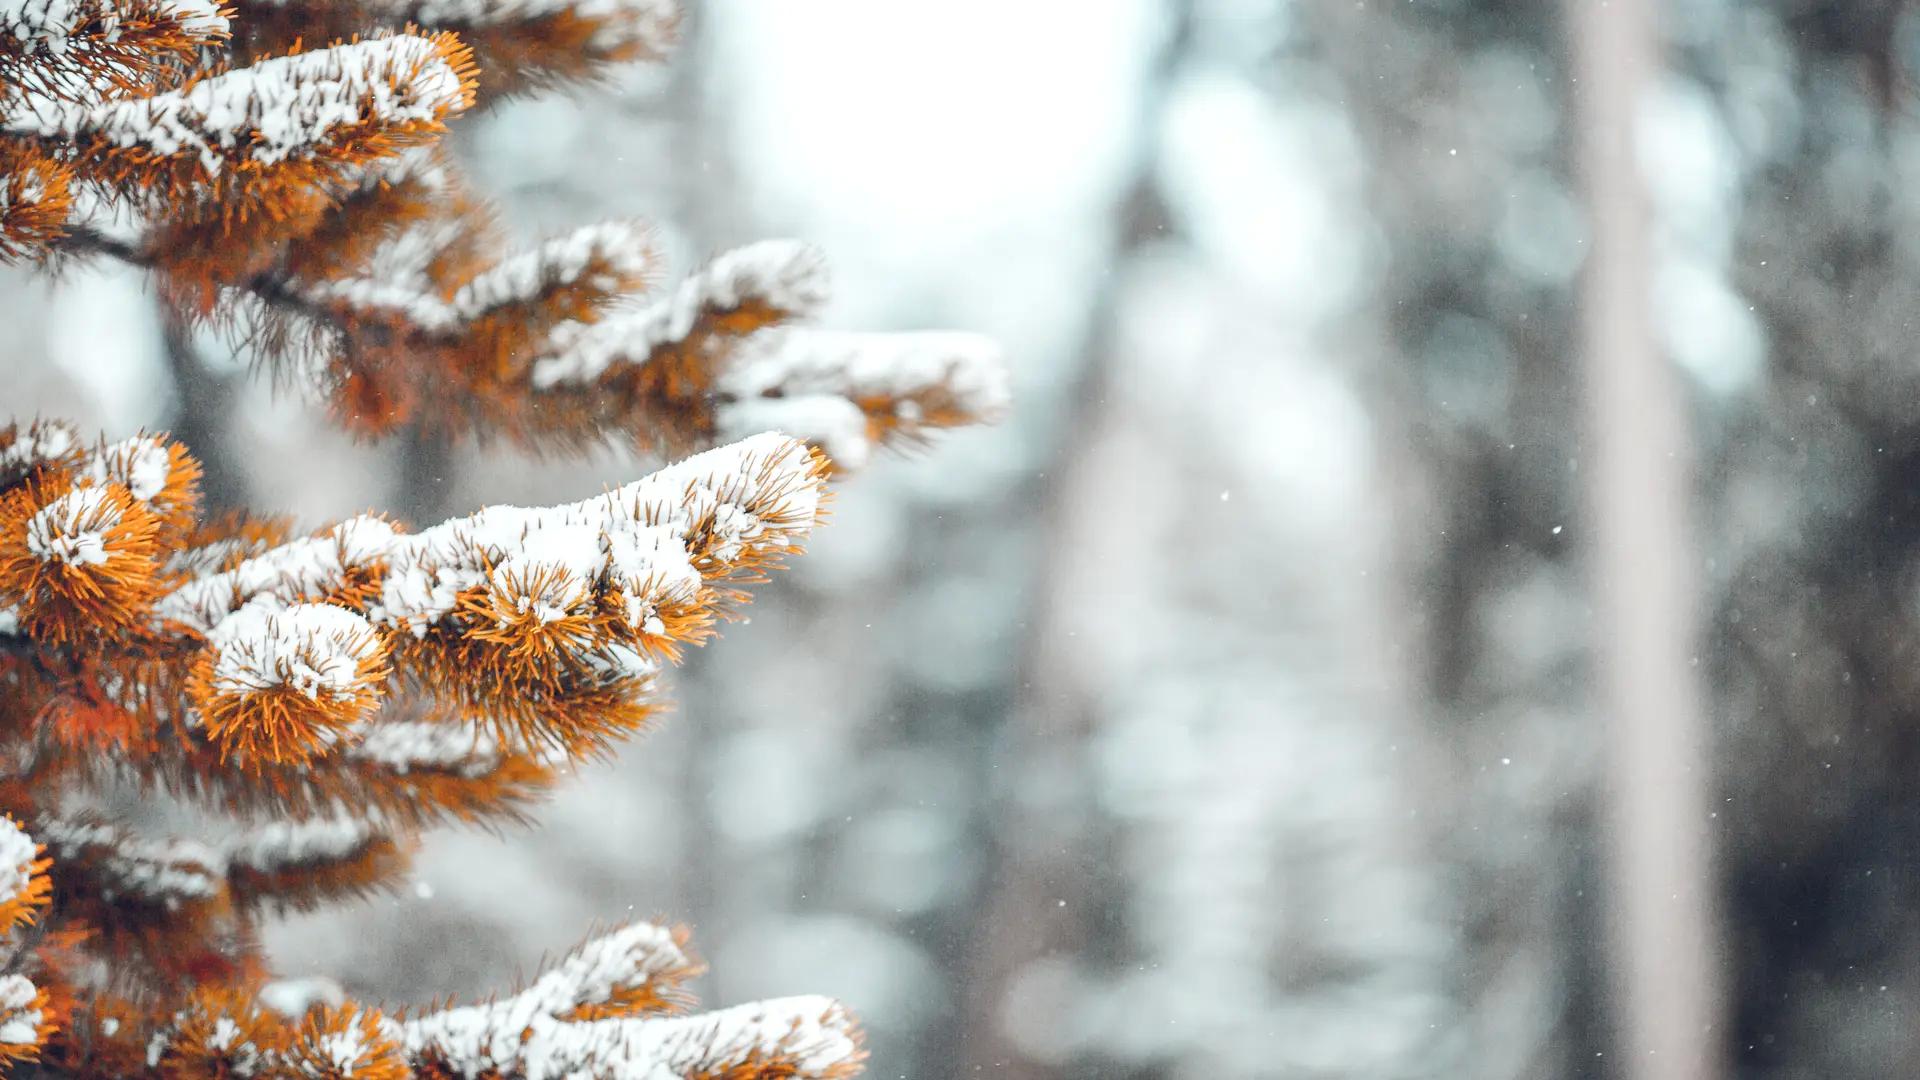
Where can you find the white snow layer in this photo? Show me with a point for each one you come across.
(751, 496)
(815, 1033)
(42, 442)
(141, 463)
(591, 974)
(283, 844)
(833, 423)
(270, 112)
(172, 871)
(158, 871)
(784, 274)
(812, 383)
(636, 536)
(624, 249)
(314, 649)
(397, 283)
(19, 1020)
(967, 368)
(73, 528)
(405, 745)
(17, 854)
(297, 569)
(50, 24)
(651, 24)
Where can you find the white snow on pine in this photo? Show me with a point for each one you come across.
(19, 1020)
(172, 871)
(141, 463)
(968, 368)
(282, 844)
(756, 495)
(16, 859)
(51, 24)
(342, 1050)
(158, 871)
(809, 382)
(73, 528)
(386, 296)
(314, 649)
(815, 1033)
(636, 536)
(299, 568)
(42, 442)
(405, 745)
(591, 974)
(650, 23)
(624, 249)
(275, 110)
(831, 422)
(784, 274)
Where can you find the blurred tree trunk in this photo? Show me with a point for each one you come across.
(1660, 883)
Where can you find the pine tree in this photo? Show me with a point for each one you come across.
(320, 699)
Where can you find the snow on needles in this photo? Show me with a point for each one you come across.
(175, 871)
(899, 367)
(73, 528)
(313, 649)
(605, 255)
(17, 855)
(278, 845)
(20, 1015)
(50, 25)
(405, 745)
(43, 442)
(304, 567)
(813, 1036)
(785, 275)
(821, 384)
(141, 462)
(275, 110)
(157, 871)
(755, 494)
(650, 545)
(592, 974)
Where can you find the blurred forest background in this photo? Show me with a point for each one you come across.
(1229, 711)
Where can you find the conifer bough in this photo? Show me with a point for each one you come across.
(317, 700)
